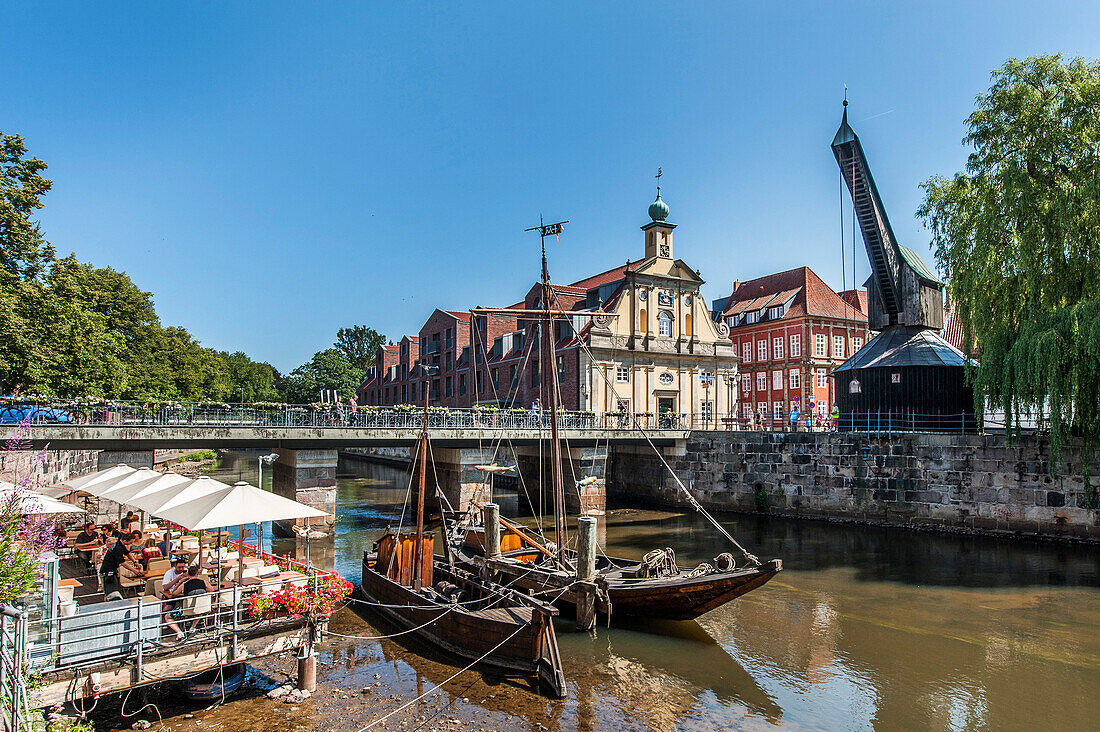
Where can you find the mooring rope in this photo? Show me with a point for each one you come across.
(448, 680)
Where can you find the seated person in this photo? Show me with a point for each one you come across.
(165, 546)
(128, 521)
(172, 586)
(111, 530)
(196, 584)
(86, 542)
(150, 551)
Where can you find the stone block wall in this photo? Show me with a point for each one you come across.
(972, 483)
(58, 465)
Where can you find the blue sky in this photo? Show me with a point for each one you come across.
(274, 171)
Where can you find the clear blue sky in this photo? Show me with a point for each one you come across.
(274, 171)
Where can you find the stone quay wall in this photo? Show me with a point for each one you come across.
(56, 466)
(969, 483)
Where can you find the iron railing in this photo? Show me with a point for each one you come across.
(14, 702)
(209, 414)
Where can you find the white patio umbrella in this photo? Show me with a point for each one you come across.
(168, 495)
(141, 482)
(237, 505)
(99, 481)
(35, 503)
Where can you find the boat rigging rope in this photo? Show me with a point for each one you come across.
(749, 556)
(451, 678)
(392, 635)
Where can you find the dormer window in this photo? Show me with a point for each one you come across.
(752, 317)
(775, 313)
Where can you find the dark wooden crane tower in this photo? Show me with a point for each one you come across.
(907, 377)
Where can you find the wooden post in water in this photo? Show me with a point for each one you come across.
(307, 669)
(585, 588)
(490, 516)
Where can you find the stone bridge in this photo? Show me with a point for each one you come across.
(308, 455)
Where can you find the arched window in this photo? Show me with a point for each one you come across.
(687, 325)
(643, 321)
(664, 323)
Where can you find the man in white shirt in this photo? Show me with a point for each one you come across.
(174, 578)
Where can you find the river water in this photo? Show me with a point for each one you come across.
(865, 628)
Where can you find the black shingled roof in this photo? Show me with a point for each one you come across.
(904, 345)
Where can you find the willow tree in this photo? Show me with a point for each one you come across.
(1018, 237)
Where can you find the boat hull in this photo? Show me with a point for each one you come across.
(509, 638)
(678, 597)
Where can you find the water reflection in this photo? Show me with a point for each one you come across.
(865, 629)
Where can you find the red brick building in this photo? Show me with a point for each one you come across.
(790, 330)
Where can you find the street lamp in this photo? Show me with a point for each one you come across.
(261, 461)
(266, 460)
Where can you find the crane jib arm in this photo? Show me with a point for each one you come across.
(878, 237)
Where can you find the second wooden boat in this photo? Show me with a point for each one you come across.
(457, 611)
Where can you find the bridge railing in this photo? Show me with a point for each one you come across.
(218, 414)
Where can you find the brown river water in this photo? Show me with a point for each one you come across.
(865, 628)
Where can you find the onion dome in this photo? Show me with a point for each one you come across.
(658, 210)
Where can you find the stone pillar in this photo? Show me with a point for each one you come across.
(578, 463)
(133, 458)
(309, 477)
(459, 481)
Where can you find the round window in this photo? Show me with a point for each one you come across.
(665, 378)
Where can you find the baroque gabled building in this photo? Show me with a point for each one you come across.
(654, 348)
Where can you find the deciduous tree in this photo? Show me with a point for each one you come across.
(1018, 236)
(359, 344)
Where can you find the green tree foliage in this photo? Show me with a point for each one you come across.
(24, 252)
(328, 369)
(69, 329)
(249, 381)
(1018, 236)
(359, 345)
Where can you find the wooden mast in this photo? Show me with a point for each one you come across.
(418, 544)
(550, 365)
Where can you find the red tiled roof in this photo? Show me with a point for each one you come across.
(953, 332)
(463, 316)
(392, 348)
(814, 297)
(603, 278)
(855, 298)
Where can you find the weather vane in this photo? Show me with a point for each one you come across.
(658, 177)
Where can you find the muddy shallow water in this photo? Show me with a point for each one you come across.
(864, 629)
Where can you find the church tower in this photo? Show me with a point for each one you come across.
(658, 232)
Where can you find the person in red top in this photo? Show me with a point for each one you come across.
(150, 551)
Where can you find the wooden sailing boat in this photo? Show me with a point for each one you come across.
(656, 587)
(456, 610)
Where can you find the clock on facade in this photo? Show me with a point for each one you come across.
(665, 378)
